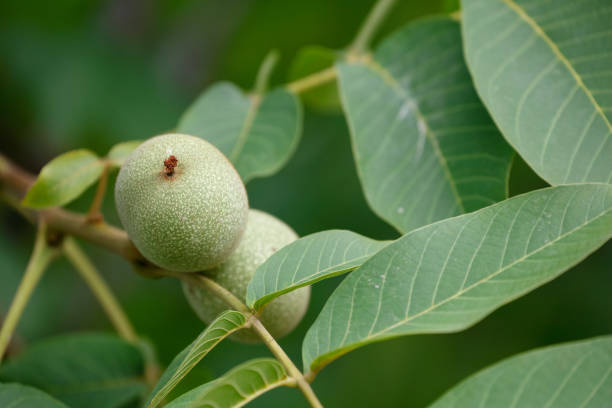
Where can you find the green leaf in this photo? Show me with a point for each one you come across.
(449, 275)
(312, 59)
(569, 375)
(542, 69)
(424, 145)
(118, 153)
(64, 178)
(308, 260)
(21, 396)
(227, 323)
(82, 370)
(257, 133)
(237, 387)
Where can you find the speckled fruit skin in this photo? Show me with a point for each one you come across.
(264, 235)
(190, 220)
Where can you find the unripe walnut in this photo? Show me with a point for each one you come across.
(182, 202)
(264, 235)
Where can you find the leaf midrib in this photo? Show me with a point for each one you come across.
(255, 102)
(76, 173)
(320, 275)
(555, 49)
(388, 78)
(320, 361)
(489, 277)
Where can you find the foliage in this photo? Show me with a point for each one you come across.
(436, 112)
(93, 370)
(568, 375)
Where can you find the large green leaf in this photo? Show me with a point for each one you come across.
(543, 69)
(227, 323)
(565, 376)
(237, 387)
(22, 396)
(308, 260)
(258, 133)
(424, 145)
(82, 370)
(449, 275)
(310, 60)
(64, 178)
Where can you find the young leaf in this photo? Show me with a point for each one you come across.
(569, 375)
(118, 153)
(21, 396)
(312, 59)
(449, 275)
(424, 145)
(543, 70)
(308, 260)
(257, 133)
(82, 370)
(227, 323)
(64, 178)
(236, 388)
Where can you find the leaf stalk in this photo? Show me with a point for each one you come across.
(81, 262)
(94, 215)
(41, 257)
(364, 36)
(265, 71)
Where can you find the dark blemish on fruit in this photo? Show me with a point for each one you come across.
(169, 164)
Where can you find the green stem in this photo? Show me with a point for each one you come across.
(231, 300)
(312, 81)
(94, 215)
(265, 71)
(79, 259)
(40, 259)
(284, 359)
(370, 25)
(98, 286)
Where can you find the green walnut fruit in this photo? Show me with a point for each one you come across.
(264, 235)
(182, 202)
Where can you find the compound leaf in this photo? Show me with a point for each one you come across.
(224, 325)
(424, 145)
(258, 133)
(308, 260)
(575, 374)
(82, 370)
(237, 387)
(64, 178)
(449, 275)
(542, 69)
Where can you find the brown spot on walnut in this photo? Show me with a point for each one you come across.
(169, 164)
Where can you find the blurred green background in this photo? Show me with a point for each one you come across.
(91, 74)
